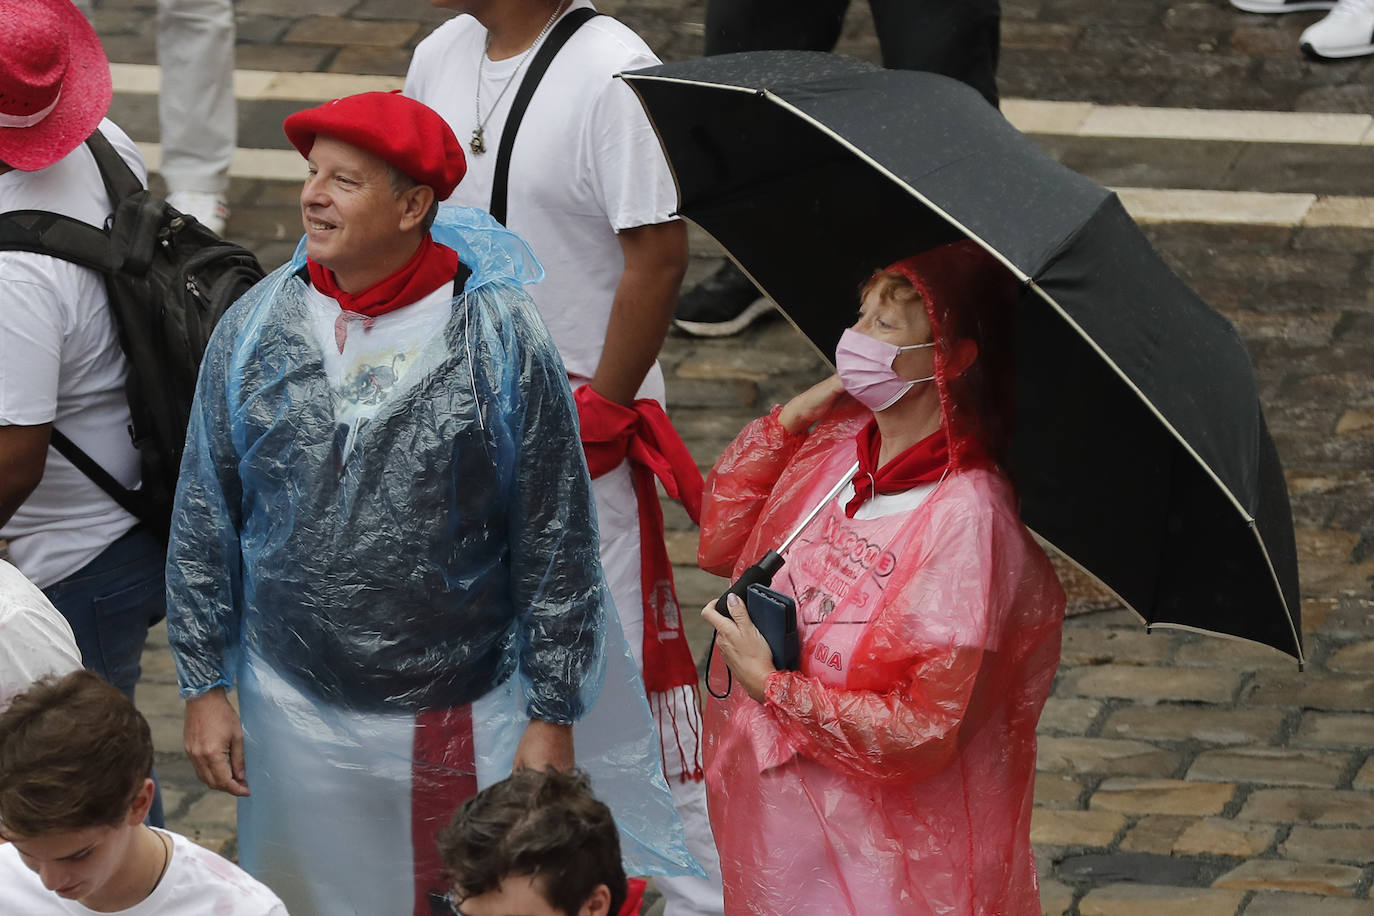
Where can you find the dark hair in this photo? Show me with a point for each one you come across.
(73, 754)
(546, 825)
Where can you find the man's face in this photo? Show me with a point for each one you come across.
(80, 864)
(352, 219)
(520, 895)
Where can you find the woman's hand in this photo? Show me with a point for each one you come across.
(743, 646)
(809, 406)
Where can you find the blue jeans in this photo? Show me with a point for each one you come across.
(110, 603)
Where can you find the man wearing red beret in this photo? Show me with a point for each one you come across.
(384, 536)
(588, 187)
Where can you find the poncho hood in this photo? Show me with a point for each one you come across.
(970, 297)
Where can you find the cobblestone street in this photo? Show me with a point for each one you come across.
(1178, 773)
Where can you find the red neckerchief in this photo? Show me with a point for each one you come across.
(429, 268)
(634, 897)
(923, 462)
(611, 433)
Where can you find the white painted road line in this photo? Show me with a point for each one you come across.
(1146, 205)
(1032, 116)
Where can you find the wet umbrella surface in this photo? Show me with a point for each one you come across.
(1140, 449)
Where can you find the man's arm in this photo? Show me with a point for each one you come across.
(545, 745)
(23, 456)
(655, 261)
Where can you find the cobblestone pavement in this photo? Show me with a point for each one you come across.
(1178, 773)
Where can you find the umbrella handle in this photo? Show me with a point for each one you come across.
(761, 573)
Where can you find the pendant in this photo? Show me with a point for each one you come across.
(477, 145)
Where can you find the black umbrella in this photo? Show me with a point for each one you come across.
(1141, 451)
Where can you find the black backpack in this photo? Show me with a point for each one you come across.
(169, 281)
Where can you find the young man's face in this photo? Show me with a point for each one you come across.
(79, 864)
(520, 895)
(89, 865)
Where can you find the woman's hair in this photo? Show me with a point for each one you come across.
(891, 286)
(73, 754)
(545, 825)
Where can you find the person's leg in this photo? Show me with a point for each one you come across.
(763, 25)
(726, 303)
(110, 603)
(195, 49)
(958, 38)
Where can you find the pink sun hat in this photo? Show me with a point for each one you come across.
(54, 81)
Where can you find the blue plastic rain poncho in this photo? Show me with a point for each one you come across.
(393, 553)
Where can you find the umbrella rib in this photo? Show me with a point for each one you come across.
(1278, 588)
(1178, 437)
(1149, 625)
(1187, 447)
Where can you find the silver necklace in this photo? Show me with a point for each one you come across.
(477, 143)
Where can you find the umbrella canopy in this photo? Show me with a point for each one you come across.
(1140, 451)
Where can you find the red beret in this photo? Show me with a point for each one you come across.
(405, 133)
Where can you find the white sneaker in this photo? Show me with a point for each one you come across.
(211, 209)
(1347, 31)
(1281, 6)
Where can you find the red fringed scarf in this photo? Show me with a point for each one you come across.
(429, 268)
(923, 462)
(611, 433)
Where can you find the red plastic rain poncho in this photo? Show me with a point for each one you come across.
(893, 773)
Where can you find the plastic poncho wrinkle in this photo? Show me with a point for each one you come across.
(893, 773)
(311, 512)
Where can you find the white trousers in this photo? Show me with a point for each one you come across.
(617, 517)
(199, 122)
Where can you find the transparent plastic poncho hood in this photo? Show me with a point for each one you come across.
(357, 561)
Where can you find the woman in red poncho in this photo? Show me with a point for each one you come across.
(893, 773)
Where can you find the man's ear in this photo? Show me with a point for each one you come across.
(138, 811)
(598, 903)
(416, 202)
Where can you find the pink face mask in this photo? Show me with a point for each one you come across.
(865, 367)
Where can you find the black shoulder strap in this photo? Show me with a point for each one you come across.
(42, 232)
(552, 45)
(120, 180)
(60, 236)
(129, 500)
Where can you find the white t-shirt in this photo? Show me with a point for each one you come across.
(585, 165)
(60, 363)
(197, 883)
(381, 359)
(35, 640)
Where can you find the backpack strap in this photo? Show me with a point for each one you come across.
(552, 45)
(129, 500)
(42, 232)
(460, 279)
(120, 180)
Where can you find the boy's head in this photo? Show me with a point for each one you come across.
(537, 843)
(76, 759)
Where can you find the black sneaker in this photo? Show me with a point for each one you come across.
(724, 303)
